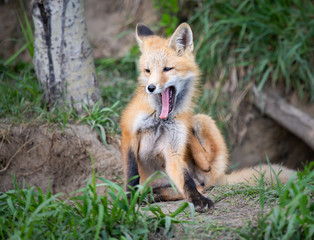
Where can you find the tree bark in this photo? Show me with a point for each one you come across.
(296, 121)
(63, 57)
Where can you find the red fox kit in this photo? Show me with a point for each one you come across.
(160, 131)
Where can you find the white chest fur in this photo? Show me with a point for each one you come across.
(158, 139)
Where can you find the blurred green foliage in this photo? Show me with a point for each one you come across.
(274, 38)
(169, 10)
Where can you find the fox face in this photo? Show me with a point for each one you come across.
(168, 71)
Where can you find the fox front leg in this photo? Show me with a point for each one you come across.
(130, 167)
(179, 174)
(131, 172)
(200, 202)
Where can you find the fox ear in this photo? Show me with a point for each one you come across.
(141, 32)
(182, 39)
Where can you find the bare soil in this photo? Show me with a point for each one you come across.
(257, 137)
(45, 156)
(229, 213)
(232, 211)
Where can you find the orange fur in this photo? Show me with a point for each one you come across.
(188, 148)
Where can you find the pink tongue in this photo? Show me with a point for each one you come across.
(165, 104)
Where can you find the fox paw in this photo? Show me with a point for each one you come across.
(201, 203)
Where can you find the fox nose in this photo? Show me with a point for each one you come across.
(151, 88)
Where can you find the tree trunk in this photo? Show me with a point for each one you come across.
(62, 53)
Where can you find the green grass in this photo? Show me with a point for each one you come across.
(293, 218)
(26, 27)
(28, 213)
(275, 38)
(21, 97)
(118, 78)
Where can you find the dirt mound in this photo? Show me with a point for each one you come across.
(45, 155)
(258, 136)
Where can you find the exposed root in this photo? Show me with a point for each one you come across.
(9, 162)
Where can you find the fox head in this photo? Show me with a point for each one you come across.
(168, 71)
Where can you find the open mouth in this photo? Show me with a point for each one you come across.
(167, 101)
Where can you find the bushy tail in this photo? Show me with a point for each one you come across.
(270, 173)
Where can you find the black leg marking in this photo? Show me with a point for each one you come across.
(200, 202)
(132, 170)
(189, 184)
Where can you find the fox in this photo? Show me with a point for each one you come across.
(160, 131)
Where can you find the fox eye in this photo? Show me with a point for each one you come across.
(147, 70)
(167, 69)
